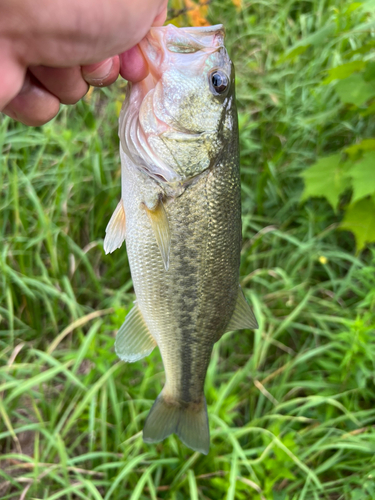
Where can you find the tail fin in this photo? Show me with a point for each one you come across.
(188, 421)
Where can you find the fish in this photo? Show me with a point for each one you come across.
(180, 215)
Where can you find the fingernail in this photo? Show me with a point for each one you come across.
(99, 71)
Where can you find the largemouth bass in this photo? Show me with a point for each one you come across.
(180, 215)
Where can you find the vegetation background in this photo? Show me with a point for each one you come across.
(291, 405)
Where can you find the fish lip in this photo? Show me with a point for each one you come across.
(205, 38)
(205, 30)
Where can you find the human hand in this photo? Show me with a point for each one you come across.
(50, 52)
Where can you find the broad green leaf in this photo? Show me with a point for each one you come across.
(353, 6)
(369, 74)
(327, 177)
(343, 71)
(362, 174)
(354, 90)
(365, 145)
(360, 220)
(369, 6)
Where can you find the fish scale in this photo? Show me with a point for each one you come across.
(181, 222)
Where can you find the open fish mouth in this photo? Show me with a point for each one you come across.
(153, 121)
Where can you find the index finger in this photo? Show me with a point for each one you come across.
(162, 16)
(133, 66)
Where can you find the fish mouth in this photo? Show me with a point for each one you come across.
(180, 40)
(217, 29)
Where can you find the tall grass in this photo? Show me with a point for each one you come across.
(290, 405)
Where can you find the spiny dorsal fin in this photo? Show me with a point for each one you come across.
(243, 317)
(134, 340)
(160, 226)
(115, 230)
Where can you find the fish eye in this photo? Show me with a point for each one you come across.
(219, 82)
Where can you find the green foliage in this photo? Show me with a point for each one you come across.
(328, 176)
(331, 177)
(361, 174)
(359, 219)
(353, 167)
(291, 405)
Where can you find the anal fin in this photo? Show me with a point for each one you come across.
(160, 226)
(243, 317)
(134, 340)
(115, 230)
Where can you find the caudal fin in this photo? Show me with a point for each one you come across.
(188, 421)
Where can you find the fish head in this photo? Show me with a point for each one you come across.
(176, 123)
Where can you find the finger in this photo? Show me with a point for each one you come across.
(103, 73)
(66, 84)
(133, 66)
(162, 16)
(12, 77)
(34, 105)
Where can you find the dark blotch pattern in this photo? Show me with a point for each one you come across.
(188, 307)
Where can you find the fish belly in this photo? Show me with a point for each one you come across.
(187, 307)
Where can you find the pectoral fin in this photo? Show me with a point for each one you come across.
(160, 227)
(134, 340)
(243, 317)
(115, 230)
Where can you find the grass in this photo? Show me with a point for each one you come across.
(291, 406)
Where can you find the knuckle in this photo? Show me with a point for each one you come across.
(75, 95)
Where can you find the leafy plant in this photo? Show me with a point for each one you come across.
(351, 170)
